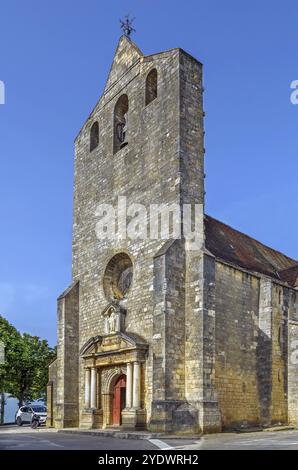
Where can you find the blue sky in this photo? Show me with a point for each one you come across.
(54, 60)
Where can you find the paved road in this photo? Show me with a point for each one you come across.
(25, 438)
(281, 440)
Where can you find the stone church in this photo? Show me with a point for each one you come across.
(152, 335)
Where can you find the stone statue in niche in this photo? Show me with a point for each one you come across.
(112, 323)
(114, 319)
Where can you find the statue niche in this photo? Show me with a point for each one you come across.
(114, 319)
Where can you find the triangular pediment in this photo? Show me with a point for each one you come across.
(110, 343)
(127, 54)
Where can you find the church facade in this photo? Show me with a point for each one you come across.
(153, 334)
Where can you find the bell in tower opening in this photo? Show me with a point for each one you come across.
(121, 123)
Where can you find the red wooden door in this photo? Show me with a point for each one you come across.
(119, 399)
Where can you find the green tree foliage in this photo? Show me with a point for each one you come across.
(24, 373)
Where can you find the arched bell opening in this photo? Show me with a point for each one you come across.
(121, 123)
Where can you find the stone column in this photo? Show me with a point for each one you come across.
(87, 388)
(136, 384)
(93, 388)
(98, 389)
(129, 385)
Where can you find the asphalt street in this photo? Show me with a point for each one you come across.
(25, 438)
(14, 438)
(281, 440)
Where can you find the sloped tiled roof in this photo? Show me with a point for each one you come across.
(290, 276)
(235, 247)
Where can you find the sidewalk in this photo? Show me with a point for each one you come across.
(25, 429)
(120, 434)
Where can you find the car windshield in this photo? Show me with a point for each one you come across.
(39, 409)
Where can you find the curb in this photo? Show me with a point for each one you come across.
(272, 429)
(146, 436)
(128, 435)
(280, 428)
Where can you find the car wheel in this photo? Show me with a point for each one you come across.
(19, 421)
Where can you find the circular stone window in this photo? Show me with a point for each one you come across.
(118, 277)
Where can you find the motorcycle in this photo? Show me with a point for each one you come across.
(35, 421)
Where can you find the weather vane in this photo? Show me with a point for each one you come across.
(126, 26)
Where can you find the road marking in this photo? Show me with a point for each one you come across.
(47, 442)
(56, 445)
(160, 444)
(195, 445)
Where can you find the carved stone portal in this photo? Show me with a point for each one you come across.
(114, 377)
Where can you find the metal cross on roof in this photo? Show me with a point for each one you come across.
(126, 26)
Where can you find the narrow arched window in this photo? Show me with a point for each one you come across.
(280, 339)
(121, 123)
(151, 86)
(94, 136)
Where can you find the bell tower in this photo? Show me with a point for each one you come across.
(143, 141)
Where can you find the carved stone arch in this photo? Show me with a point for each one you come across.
(110, 376)
(108, 379)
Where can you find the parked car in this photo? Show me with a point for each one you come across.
(26, 413)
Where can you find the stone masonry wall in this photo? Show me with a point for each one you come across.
(237, 310)
(168, 335)
(52, 394)
(280, 306)
(67, 410)
(293, 358)
(147, 171)
(252, 375)
(222, 342)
